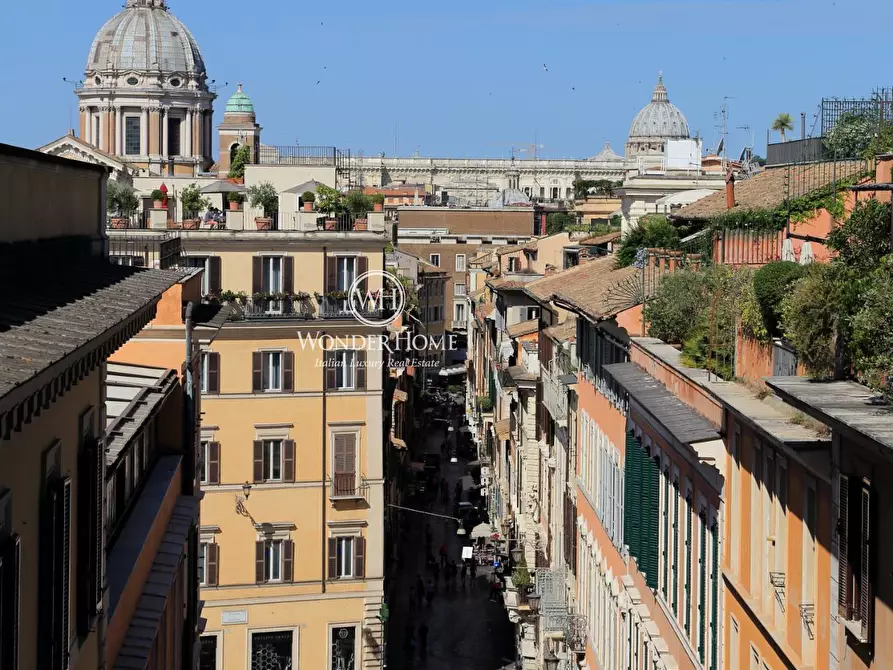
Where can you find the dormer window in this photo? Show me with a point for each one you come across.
(175, 82)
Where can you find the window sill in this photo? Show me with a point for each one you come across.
(854, 628)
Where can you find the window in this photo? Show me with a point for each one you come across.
(274, 560)
(542, 191)
(207, 658)
(207, 563)
(459, 312)
(735, 507)
(344, 464)
(513, 264)
(434, 259)
(345, 557)
(173, 136)
(345, 369)
(347, 272)
(734, 645)
(758, 540)
(271, 651)
(555, 191)
(54, 626)
(459, 289)
(531, 313)
(210, 462)
(343, 648)
(460, 262)
(204, 264)
(210, 372)
(132, 135)
(272, 371)
(274, 460)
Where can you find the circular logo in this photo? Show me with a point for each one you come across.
(378, 308)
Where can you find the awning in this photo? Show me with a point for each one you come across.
(481, 531)
(397, 442)
(473, 464)
(223, 186)
(502, 429)
(453, 370)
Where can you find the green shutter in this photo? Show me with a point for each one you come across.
(676, 548)
(702, 591)
(687, 577)
(714, 596)
(665, 556)
(651, 523)
(632, 495)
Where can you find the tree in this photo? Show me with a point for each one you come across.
(872, 337)
(557, 222)
(783, 123)
(264, 196)
(358, 203)
(240, 160)
(330, 201)
(771, 284)
(671, 313)
(864, 238)
(192, 200)
(653, 232)
(121, 199)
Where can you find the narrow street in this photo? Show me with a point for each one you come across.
(467, 630)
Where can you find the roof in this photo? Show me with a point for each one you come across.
(846, 406)
(520, 374)
(767, 190)
(239, 103)
(684, 423)
(44, 320)
(504, 284)
(485, 310)
(523, 328)
(509, 248)
(300, 189)
(565, 331)
(602, 239)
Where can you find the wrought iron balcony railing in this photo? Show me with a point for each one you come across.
(251, 309)
(348, 486)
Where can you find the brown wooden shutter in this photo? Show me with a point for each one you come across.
(257, 274)
(288, 371)
(866, 592)
(212, 550)
(331, 371)
(257, 371)
(288, 461)
(213, 383)
(361, 369)
(213, 462)
(843, 539)
(288, 561)
(259, 554)
(331, 274)
(363, 268)
(258, 460)
(359, 554)
(84, 571)
(333, 558)
(214, 277)
(288, 274)
(61, 632)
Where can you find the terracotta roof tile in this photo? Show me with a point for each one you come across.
(602, 239)
(523, 328)
(545, 287)
(600, 291)
(566, 331)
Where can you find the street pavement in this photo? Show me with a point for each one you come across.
(467, 631)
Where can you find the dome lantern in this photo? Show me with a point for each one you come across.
(656, 123)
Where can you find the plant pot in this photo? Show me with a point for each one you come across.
(263, 223)
(158, 204)
(191, 224)
(331, 224)
(308, 206)
(377, 207)
(235, 206)
(361, 224)
(119, 223)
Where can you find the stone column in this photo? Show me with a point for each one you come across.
(117, 114)
(197, 133)
(208, 140)
(187, 149)
(164, 137)
(88, 125)
(144, 132)
(103, 128)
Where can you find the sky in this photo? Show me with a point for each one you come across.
(466, 78)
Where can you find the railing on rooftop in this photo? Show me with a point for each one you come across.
(135, 221)
(304, 155)
(159, 251)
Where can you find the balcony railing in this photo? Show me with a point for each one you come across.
(304, 155)
(348, 486)
(135, 221)
(340, 308)
(160, 251)
(251, 309)
(554, 393)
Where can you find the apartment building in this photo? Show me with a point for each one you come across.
(98, 493)
(291, 543)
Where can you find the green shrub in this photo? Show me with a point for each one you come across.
(358, 203)
(235, 197)
(521, 576)
(671, 313)
(330, 201)
(864, 238)
(557, 222)
(157, 195)
(192, 200)
(872, 336)
(240, 160)
(771, 284)
(378, 198)
(308, 196)
(121, 199)
(752, 323)
(653, 232)
(264, 196)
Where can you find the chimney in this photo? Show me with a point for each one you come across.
(730, 189)
(802, 125)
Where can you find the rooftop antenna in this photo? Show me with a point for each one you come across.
(75, 85)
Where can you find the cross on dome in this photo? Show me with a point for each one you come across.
(152, 4)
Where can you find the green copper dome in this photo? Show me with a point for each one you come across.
(239, 103)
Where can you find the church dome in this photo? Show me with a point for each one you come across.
(239, 103)
(146, 37)
(659, 119)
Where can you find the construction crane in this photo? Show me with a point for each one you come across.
(521, 148)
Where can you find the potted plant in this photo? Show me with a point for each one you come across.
(122, 202)
(264, 196)
(331, 203)
(377, 202)
(521, 576)
(235, 201)
(157, 199)
(308, 197)
(359, 204)
(193, 202)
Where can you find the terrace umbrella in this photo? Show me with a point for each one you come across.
(223, 186)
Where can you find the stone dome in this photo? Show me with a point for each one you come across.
(239, 103)
(659, 120)
(146, 37)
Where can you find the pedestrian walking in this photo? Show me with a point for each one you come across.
(495, 589)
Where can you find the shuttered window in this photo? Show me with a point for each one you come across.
(674, 586)
(633, 494)
(714, 596)
(687, 577)
(274, 561)
(702, 589)
(856, 549)
(344, 463)
(55, 557)
(651, 522)
(665, 548)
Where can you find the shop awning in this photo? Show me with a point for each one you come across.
(397, 442)
(453, 370)
(400, 395)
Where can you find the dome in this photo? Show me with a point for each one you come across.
(145, 37)
(239, 103)
(659, 119)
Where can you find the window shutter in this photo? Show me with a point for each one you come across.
(843, 540)
(288, 561)
(213, 382)
(86, 519)
(702, 590)
(259, 554)
(288, 274)
(363, 268)
(99, 510)
(331, 273)
(257, 275)
(333, 558)
(633, 494)
(361, 369)
(651, 523)
(258, 460)
(212, 550)
(288, 460)
(288, 371)
(687, 577)
(866, 594)
(714, 598)
(675, 585)
(331, 371)
(214, 277)
(62, 570)
(257, 371)
(213, 462)
(359, 554)
(340, 454)
(665, 556)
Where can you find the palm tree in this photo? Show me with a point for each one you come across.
(783, 122)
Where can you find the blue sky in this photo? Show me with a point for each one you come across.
(466, 77)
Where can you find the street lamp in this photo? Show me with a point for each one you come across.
(246, 490)
(550, 660)
(517, 553)
(459, 531)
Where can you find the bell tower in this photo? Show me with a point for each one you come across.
(239, 127)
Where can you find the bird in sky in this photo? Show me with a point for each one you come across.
(318, 80)
(545, 67)
(573, 89)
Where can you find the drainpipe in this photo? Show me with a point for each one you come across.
(325, 544)
(189, 406)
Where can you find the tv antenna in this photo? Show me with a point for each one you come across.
(75, 84)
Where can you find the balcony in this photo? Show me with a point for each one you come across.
(146, 250)
(554, 393)
(347, 486)
(257, 308)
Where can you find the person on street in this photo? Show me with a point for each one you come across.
(443, 556)
(495, 589)
(457, 492)
(423, 639)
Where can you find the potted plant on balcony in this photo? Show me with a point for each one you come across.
(122, 202)
(235, 201)
(308, 197)
(377, 202)
(521, 577)
(264, 196)
(193, 202)
(330, 203)
(157, 199)
(359, 204)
